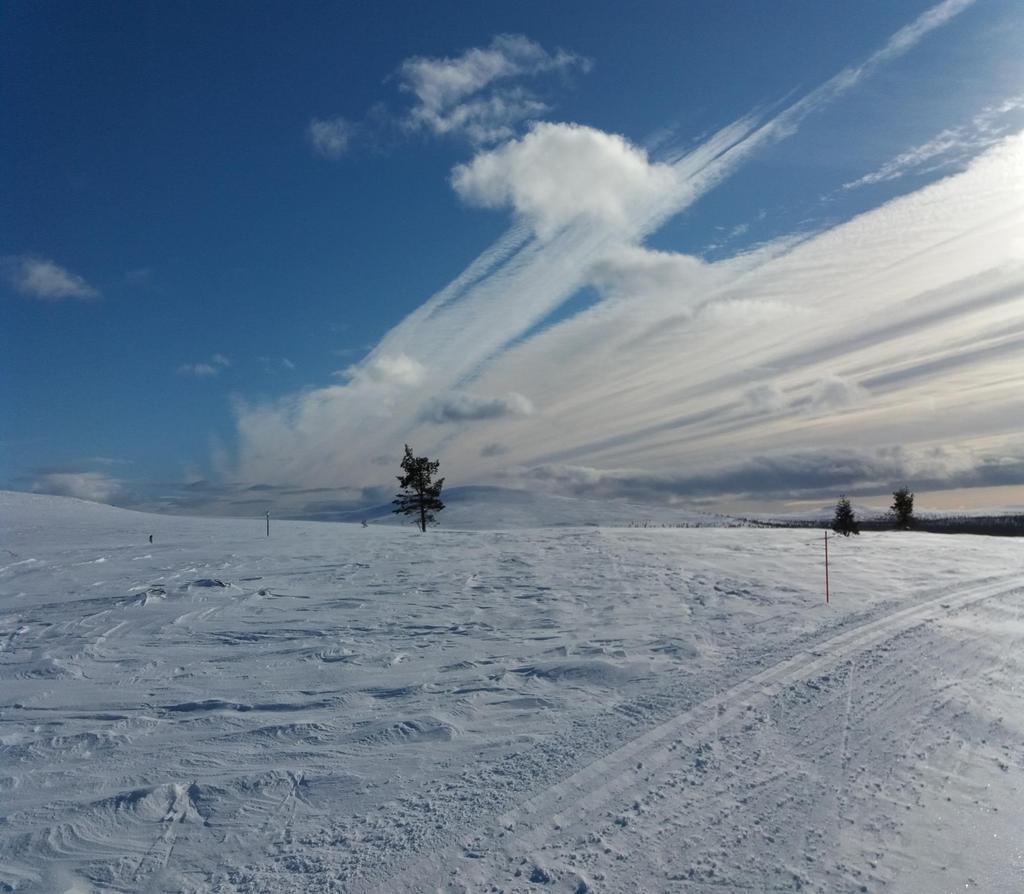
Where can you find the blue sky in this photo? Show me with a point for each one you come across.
(737, 254)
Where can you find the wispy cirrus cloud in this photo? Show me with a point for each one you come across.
(44, 279)
(834, 326)
(829, 394)
(800, 474)
(484, 95)
(904, 40)
(199, 370)
(953, 147)
(205, 369)
(678, 360)
(330, 137)
(834, 392)
(396, 370)
(479, 93)
(276, 364)
(462, 407)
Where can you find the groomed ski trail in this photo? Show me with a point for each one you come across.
(504, 843)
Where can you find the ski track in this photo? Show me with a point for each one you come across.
(637, 767)
(339, 709)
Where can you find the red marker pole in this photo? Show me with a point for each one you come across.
(826, 568)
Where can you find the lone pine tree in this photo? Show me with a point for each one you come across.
(844, 521)
(902, 508)
(421, 495)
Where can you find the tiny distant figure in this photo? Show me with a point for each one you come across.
(365, 525)
(150, 538)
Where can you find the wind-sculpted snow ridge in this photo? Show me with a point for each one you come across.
(346, 709)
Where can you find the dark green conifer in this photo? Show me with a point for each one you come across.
(902, 508)
(421, 495)
(844, 521)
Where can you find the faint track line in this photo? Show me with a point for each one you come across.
(519, 832)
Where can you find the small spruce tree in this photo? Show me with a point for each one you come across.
(902, 508)
(845, 522)
(421, 495)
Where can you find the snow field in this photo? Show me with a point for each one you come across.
(349, 709)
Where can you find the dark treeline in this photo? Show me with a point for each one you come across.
(991, 525)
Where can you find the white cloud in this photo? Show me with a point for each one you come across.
(470, 94)
(462, 407)
(952, 147)
(826, 395)
(560, 173)
(199, 370)
(653, 374)
(743, 313)
(329, 137)
(765, 398)
(667, 278)
(399, 370)
(897, 45)
(490, 119)
(203, 370)
(110, 461)
(43, 279)
(916, 305)
(274, 365)
(93, 486)
(480, 95)
(788, 474)
(836, 393)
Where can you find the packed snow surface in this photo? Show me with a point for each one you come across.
(338, 708)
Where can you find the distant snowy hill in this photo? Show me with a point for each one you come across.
(466, 508)
(489, 508)
(44, 519)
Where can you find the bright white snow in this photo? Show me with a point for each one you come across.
(339, 708)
